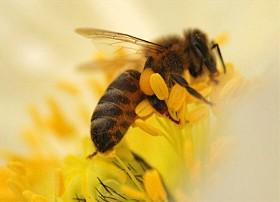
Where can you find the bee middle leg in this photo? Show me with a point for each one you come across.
(160, 106)
(177, 78)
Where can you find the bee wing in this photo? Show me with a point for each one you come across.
(92, 33)
(112, 65)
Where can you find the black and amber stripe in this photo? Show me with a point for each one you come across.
(114, 112)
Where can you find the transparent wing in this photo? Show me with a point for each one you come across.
(118, 38)
(112, 65)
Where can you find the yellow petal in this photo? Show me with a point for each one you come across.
(159, 86)
(144, 109)
(145, 81)
(153, 186)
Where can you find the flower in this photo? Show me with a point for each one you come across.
(175, 155)
(38, 51)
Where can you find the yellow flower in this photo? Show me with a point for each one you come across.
(157, 160)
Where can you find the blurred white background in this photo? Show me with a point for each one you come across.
(39, 46)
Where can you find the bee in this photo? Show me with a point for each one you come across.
(170, 57)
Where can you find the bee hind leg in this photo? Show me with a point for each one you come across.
(182, 82)
(160, 106)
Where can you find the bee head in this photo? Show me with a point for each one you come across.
(199, 48)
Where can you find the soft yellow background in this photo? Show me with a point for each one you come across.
(38, 47)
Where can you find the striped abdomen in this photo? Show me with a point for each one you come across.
(114, 112)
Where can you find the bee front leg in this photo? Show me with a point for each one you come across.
(177, 78)
(216, 46)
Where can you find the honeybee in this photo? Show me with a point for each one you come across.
(169, 57)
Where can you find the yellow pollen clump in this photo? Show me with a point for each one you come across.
(159, 86)
(145, 81)
(144, 109)
(147, 128)
(153, 186)
(176, 98)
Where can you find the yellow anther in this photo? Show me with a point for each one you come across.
(144, 109)
(159, 86)
(147, 128)
(198, 114)
(153, 186)
(222, 39)
(176, 98)
(145, 81)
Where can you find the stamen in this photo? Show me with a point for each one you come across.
(130, 192)
(153, 186)
(159, 86)
(176, 98)
(147, 128)
(145, 81)
(144, 109)
(132, 177)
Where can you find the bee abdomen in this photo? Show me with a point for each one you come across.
(115, 111)
(107, 109)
